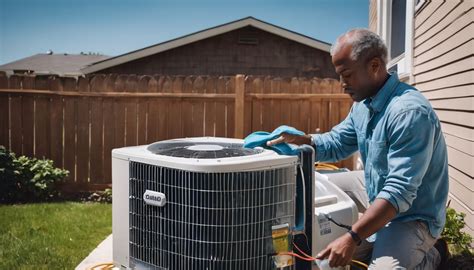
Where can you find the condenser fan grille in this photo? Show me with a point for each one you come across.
(201, 150)
(210, 220)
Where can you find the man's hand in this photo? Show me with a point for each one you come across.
(289, 138)
(339, 252)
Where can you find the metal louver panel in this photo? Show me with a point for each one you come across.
(210, 220)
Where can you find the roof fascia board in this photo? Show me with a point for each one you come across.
(292, 36)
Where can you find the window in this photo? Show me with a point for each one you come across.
(395, 26)
(397, 33)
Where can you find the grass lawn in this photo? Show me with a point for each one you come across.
(51, 235)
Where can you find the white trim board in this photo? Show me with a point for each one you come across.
(404, 62)
(174, 43)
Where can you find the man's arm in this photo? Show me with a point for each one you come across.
(340, 251)
(289, 138)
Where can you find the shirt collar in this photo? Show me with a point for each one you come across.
(378, 101)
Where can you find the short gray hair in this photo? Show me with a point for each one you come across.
(365, 44)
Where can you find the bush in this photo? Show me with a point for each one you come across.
(459, 241)
(101, 196)
(26, 179)
(8, 175)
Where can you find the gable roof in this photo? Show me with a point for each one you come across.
(53, 64)
(207, 33)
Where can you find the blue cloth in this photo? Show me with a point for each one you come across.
(403, 150)
(260, 138)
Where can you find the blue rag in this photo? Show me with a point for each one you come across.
(260, 138)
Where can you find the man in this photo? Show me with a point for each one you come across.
(404, 153)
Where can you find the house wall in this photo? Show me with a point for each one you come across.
(373, 15)
(224, 55)
(443, 70)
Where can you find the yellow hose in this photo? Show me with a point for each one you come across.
(326, 166)
(359, 263)
(102, 266)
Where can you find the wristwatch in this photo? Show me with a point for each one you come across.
(355, 237)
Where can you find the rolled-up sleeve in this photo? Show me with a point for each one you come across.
(337, 144)
(410, 142)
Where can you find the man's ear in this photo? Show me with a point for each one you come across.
(374, 65)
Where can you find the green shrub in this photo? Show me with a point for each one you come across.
(101, 196)
(9, 176)
(459, 241)
(26, 179)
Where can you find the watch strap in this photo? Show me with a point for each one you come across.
(355, 237)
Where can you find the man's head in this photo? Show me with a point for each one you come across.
(360, 58)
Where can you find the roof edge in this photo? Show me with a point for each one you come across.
(203, 34)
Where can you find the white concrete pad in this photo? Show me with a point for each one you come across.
(99, 258)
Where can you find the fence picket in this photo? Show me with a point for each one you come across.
(97, 84)
(56, 122)
(210, 108)
(254, 86)
(70, 119)
(144, 84)
(305, 110)
(119, 111)
(28, 116)
(270, 118)
(175, 122)
(83, 143)
(131, 113)
(198, 109)
(275, 85)
(285, 107)
(187, 108)
(295, 107)
(108, 122)
(42, 116)
(221, 108)
(108, 117)
(230, 108)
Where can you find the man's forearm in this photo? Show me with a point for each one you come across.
(290, 138)
(375, 217)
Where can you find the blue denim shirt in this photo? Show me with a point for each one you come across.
(403, 150)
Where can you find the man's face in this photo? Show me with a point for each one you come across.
(357, 77)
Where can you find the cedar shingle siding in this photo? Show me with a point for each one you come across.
(248, 50)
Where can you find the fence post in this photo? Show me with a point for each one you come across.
(239, 106)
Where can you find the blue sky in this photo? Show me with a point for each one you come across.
(114, 27)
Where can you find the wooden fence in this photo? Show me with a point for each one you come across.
(77, 122)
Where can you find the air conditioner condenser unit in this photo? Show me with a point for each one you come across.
(202, 203)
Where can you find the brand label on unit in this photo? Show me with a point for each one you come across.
(154, 198)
